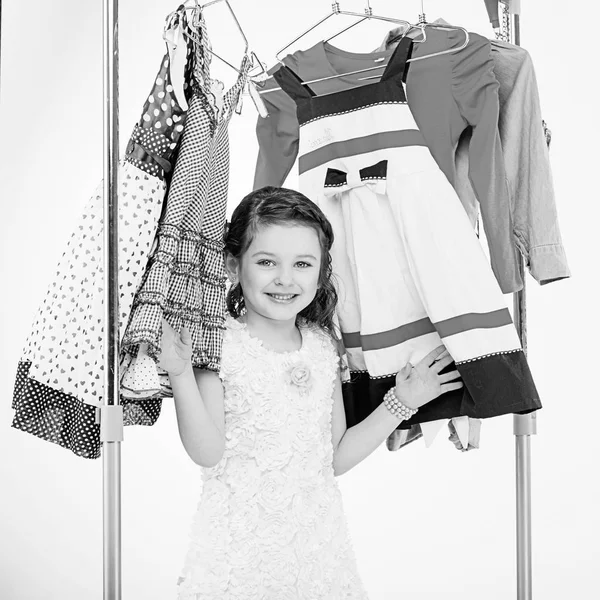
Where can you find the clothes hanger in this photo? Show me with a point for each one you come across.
(369, 15)
(422, 25)
(336, 10)
(190, 32)
(196, 9)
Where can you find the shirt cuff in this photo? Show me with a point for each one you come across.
(402, 437)
(548, 263)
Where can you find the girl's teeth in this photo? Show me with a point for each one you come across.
(281, 297)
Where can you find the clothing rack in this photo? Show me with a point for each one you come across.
(110, 414)
(524, 426)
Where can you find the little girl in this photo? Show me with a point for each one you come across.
(269, 430)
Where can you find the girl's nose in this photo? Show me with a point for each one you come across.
(284, 277)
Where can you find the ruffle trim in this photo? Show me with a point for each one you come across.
(462, 362)
(356, 372)
(190, 293)
(172, 231)
(206, 353)
(345, 112)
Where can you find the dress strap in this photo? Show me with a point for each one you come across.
(397, 65)
(291, 83)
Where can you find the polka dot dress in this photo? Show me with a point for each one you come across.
(185, 279)
(59, 380)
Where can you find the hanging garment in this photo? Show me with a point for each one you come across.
(411, 272)
(528, 174)
(527, 165)
(529, 219)
(529, 216)
(270, 522)
(60, 382)
(185, 279)
(278, 137)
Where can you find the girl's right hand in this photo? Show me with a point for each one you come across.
(176, 350)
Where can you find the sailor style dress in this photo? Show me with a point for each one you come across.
(410, 269)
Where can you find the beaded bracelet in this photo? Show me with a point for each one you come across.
(399, 410)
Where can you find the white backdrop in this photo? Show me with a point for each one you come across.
(427, 523)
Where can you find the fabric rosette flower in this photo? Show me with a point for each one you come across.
(232, 362)
(215, 496)
(318, 583)
(281, 570)
(213, 582)
(261, 380)
(308, 435)
(210, 473)
(300, 375)
(273, 450)
(254, 347)
(305, 507)
(274, 493)
(241, 435)
(270, 416)
(245, 584)
(309, 468)
(243, 476)
(232, 365)
(244, 519)
(236, 400)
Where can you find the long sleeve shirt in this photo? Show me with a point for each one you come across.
(536, 230)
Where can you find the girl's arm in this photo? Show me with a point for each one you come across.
(415, 386)
(351, 446)
(198, 396)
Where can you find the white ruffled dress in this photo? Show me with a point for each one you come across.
(270, 522)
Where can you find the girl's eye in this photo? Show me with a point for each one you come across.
(303, 265)
(265, 262)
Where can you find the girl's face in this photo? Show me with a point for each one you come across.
(279, 272)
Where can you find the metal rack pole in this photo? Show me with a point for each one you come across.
(111, 412)
(524, 426)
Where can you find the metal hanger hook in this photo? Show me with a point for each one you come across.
(422, 19)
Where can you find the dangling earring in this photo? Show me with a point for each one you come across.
(242, 301)
(238, 298)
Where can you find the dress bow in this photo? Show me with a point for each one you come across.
(374, 177)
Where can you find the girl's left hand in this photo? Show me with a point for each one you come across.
(418, 385)
(176, 349)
